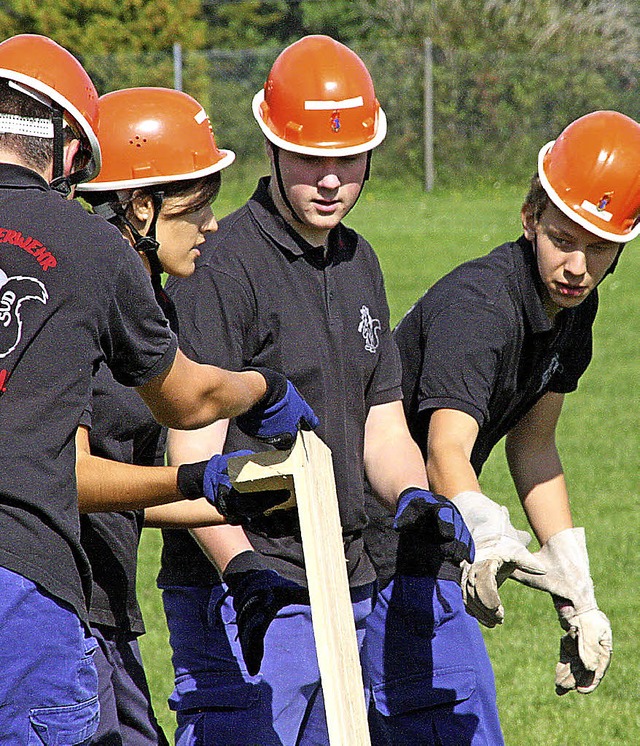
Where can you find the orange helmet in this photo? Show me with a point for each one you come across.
(154, 136)
(319, 100)
(592, 173)
(40, 65)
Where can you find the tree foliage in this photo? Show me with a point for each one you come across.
(507, 74)
(88, 27)
(244, 24)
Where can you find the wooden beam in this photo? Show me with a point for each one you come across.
(307, 471)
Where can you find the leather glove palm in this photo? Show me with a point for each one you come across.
(499, 549)
(585, 651)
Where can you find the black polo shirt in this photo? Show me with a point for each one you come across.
(72, 293)
(122, 429)
(480, 341)
(260, 295)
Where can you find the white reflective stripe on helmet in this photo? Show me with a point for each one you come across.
(347, 103)
(13, 124)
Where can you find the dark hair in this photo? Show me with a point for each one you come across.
(36, 152)
(197, 193)
(203, 190)
(536, 200)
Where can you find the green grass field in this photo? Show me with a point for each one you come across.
(419, 237)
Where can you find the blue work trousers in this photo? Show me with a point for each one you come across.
(126, 714)
(48, 681)
(427, 670)
(218, 702)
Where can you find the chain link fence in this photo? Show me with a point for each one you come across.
(489, 113)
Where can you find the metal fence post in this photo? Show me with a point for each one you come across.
(428, 116)
(177, 66)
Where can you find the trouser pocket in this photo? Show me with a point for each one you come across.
(68, 725)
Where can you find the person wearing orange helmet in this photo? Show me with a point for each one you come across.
(490, 352)
(73, 295)
(160, 172)
(285, 282)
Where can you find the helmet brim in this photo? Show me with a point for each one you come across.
(105, 186)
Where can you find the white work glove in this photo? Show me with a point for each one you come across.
(585, 651)
(499, 549)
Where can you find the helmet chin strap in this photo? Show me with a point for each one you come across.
(148, 244)
(114, 212)
(60, 183)
(281, 188)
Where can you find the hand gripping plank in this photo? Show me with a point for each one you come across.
(307, 471)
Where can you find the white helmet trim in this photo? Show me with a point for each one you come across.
(576, 217)
(54, 95)
(381, 131)
(106, 186)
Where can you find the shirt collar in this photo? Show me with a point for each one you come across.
(341, 239)
(529, 283)
(13, 176)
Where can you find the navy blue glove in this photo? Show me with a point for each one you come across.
(433, 520)
(210, 479)
(276, 418)
(258, 595)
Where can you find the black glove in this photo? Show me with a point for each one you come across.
(210, 479)
(281, 412)
(432, 520)
(258, 595)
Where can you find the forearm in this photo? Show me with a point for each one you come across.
(221, 543)
(392, 459)
(539, 480)
(189, 396)
(190, 446)
(395, 467)
(450, 441)
(183, 514)
(545, 502)
(105, 485)
(451, 473)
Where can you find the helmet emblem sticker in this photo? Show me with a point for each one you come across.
(604, 201)
(335, 121)
(369, 328)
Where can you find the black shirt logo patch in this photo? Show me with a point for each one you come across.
(369, 328)
(554, 365)
(14, 291)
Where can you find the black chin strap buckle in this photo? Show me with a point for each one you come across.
(61, 185)
(147, 244)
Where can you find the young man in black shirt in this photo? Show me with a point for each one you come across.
(284, 282)
(490, 351)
